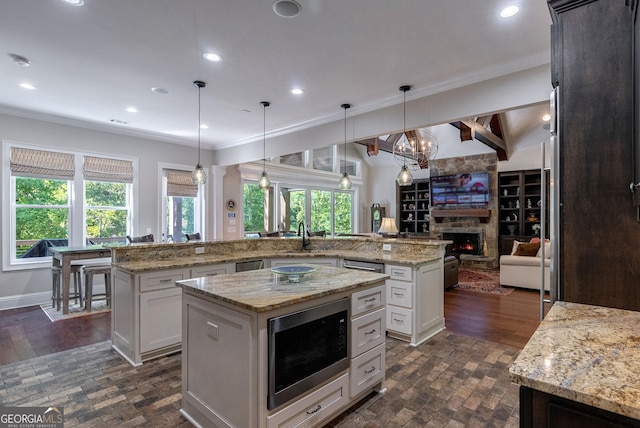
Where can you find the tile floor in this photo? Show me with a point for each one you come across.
(450, 381)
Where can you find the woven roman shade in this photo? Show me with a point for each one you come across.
(105, 169)
(41, 164)
(179, 184)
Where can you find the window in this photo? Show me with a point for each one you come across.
(320, 210)
(323, 159)
(258, 209)
(182, 206)
(294, 159)
(61, 199)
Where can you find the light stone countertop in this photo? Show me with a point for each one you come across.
(153, 264)
(589, 354)
(263, 290)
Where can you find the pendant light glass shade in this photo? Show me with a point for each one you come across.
(405, 178)
(264, 181)
(199, 175)
(345, 181)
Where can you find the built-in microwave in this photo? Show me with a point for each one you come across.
(306, 348)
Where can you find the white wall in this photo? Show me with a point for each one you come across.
(49, 135)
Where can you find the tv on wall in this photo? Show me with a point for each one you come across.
(456, 190)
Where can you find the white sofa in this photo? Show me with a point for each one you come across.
(524, 271)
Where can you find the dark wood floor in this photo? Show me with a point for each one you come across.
(510, 320)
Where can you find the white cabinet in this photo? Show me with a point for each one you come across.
(146, 318)
(415, 301)
(367, 339)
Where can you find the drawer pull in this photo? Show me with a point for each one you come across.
(398, 294)
(373, 299)
(166, 280)
(370, 332)
(311, 412)
(370, 371)
(212, 274)
(397, 320)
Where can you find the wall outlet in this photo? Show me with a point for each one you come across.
(386, 247)
(199, 250)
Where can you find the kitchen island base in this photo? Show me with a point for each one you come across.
(225, 368)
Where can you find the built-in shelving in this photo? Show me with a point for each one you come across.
(413, 207)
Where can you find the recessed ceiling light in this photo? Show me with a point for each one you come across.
(286, 8)
(161, 91)
(26, 85)
(20, 60)
(297, 91)
(546, 117)
(75, 2)
(132, 109)
(509, 11)
(212, 56)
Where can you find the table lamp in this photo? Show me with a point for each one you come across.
(388, 226)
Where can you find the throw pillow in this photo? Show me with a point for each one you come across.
(547, 250)
(528, 250)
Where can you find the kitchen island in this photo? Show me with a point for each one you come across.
(146, 306)
(230, 354)
(581, 368)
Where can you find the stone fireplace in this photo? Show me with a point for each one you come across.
(481, 223)
(466, 240)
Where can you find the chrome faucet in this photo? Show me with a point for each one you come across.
(305, 242)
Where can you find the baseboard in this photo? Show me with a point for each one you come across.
(24, 300)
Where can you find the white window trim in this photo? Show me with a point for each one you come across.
(162, 203)
(76, 230)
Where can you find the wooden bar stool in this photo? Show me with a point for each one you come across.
(56, 291)
(89, 272)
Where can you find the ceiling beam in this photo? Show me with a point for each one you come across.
(470, 130)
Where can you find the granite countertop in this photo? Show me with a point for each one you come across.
(589, 354)
(263, 290)
(152, 264)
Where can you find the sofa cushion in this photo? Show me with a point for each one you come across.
(547, 250)
(522, 261)
(527, 249)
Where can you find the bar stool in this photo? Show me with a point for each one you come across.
(89, 272)
(56, 292)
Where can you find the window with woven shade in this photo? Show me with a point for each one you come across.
(182, 206)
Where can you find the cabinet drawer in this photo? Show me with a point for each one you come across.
(313, 408)
(367, 370)
(366, 300)
(400, 273)
(367, 331)
(399, 293)
(212, 270)
(399, 319)
(163, 279)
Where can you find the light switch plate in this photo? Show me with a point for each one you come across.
(386, 247)
(199, 250)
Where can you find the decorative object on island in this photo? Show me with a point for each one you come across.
(402, 148)
(199, 175)
(388, 227)
(345, 181)
(264, 181)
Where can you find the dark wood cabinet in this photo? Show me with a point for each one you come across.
(598, 230)
(413, 204)
(540, 410)
(521, 204)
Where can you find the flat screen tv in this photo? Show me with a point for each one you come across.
(457, 190)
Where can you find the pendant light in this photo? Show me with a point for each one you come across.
(405, 178)
(264, 181)
(199, 175)
(345, 181)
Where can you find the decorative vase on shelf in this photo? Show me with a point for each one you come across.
(512, 229)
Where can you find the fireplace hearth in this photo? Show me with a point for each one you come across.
(464, 243)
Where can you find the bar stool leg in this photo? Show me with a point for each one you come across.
(107, 288)
(88, 290)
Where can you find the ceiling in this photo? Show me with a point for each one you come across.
(89, 63)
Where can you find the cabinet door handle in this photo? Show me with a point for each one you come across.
(371, 370)
(212, 273)
(311, 412)
(373, 299)
(166, 280)
(399, 294)
(370, 332)
(397, 320)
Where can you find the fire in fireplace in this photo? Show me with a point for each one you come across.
(463, 243)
